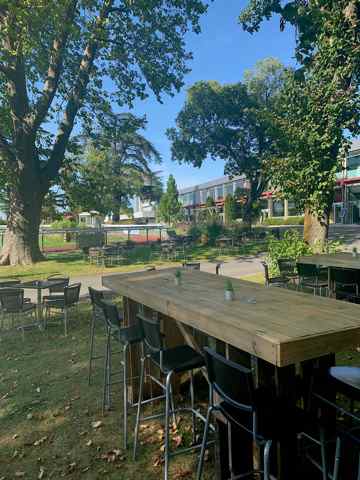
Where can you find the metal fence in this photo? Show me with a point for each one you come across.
(62, 239)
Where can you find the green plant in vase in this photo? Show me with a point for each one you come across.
(229, 293)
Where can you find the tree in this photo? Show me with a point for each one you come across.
(127, 157)
(232, 123)
(320, 101)
(230, 210)
(55, 58)
(170, 206)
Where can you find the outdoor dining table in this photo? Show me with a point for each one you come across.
(332, 260)
(39, 286)
(280, 330)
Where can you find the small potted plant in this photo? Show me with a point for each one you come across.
(354, 252)
(229, 290)
(177, 276)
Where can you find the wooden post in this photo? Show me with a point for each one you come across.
(147, 234)
(128, 235)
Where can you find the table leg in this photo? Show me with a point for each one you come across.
(39, 310)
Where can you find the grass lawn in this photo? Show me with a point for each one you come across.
(75, 264)
(48, 413)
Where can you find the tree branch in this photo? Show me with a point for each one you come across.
(54, 70)
(76, 96)
(5, 146)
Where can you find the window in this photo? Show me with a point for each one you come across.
(278, 208)
(228, 189)
(219, 192)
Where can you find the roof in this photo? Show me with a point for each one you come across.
(212, 183)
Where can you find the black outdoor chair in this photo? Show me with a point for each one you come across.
(287, 269)
(125, 337)
(170, 361)
(344, 283)
(312, 277)
(68, 301)
(255, 411)
(57, 289)
(273, 281)
(96, 296)
(14, 307)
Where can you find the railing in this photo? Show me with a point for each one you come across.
(67, 238)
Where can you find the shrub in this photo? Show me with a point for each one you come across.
(298, 220)
(64, 223)
(293, 246)
(194, 232)
(212, 231)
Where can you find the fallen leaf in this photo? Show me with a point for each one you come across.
(14, 438)
(89, 443)
(40, 441)
(41, 473)
(29, 416)
(38, 389)
(96, 424)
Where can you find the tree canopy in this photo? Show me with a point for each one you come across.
(233, 123)
(64, 61)
(170, 206)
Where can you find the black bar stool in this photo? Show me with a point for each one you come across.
(170, 361)
(273, 281)
(312, 276)
(97, 316)
(125, 336)
(256, 411)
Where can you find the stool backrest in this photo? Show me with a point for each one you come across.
(72, 294)
(96, 296)
(286, 265)
(11, 299)
(307, 270)
(231, 381)
(344, 276)
(266, 273)
(153, 338)
(111, 313)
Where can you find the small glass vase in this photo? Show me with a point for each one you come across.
(229, 295)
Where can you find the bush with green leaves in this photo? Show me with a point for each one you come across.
(295, 220)
(64, 223)
(293, 246)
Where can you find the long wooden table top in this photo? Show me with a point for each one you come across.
(283, 327)
(335, 260)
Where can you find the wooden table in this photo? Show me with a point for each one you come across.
(334, 260)
(283, 327)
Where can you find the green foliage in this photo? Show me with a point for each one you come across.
(293, 246)
(195, 232)
(295, 220)
(211, 231)
(320, 101)
(230, 209)
(64, 223)
(170, 206)
(232, 123)
(113, 168)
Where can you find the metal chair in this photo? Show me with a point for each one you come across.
(69, 300)
(169, 361)
(255, 411)
(273, 281)
(344, 283)
(287, 267)
(13, 305)
(125, 336)
(312, 276)
(57, 290)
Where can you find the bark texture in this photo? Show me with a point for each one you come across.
(315, 229)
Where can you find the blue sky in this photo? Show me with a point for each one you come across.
(222, 52)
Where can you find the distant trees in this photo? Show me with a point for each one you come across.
(232, 123)
(113, 168)
(170, 207)
(63, 61)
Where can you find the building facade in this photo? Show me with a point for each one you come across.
(346, 206)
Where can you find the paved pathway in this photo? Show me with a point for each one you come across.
(237, 267)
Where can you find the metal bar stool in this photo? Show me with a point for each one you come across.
(312, 276)
(170, 361)
(256, 411)
(273, 281)
(124, 336)
(97, 316)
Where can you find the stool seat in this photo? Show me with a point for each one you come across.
(179, 359)
(348, 375)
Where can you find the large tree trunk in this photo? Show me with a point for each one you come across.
(21, 241)
(316, 229)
